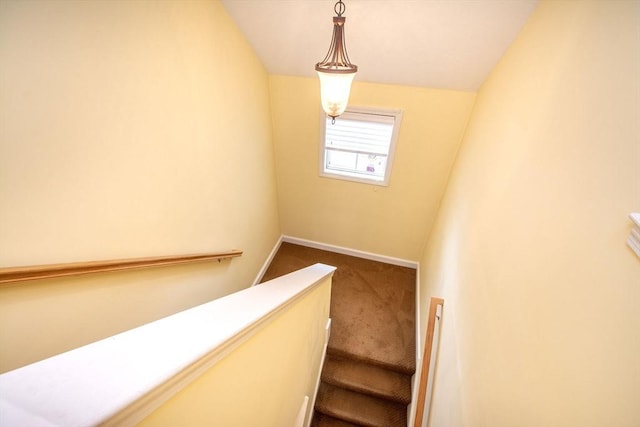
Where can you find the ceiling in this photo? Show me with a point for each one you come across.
(447, 44)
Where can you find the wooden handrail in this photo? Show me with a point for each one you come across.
(36, 272)
(426, 360)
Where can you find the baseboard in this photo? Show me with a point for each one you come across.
(267, 262)
(415, 385)
(319, 378)
(302, 412)
(415, 379)
(332, 248)
(352, 252)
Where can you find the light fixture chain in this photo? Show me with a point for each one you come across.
(339, 8)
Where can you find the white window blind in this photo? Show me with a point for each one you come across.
(359, 145)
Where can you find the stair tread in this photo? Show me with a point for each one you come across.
(368, 379)
(359, 408)
(353, 355)
(322, 420)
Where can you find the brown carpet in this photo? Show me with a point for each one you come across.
(371, 354)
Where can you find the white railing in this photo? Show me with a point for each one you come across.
(254, 354)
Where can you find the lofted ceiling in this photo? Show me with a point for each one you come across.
(447, 44)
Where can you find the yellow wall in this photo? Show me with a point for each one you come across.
(267, 390)
(541, 320)
(393, 220)
(127, 129)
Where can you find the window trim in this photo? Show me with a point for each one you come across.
(396, 113)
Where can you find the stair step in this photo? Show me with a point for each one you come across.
(367, 379)
(359, 408)
(322, 420)
(400, 367)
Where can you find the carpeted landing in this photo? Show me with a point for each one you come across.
(366, 379)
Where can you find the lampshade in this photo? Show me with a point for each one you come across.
(334, 92)
(335, 71)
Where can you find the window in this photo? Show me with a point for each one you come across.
(359, 146)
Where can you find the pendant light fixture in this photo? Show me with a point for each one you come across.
(335, 71)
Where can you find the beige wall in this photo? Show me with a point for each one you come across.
(244, 390)
(393, 220)
(541, 321)
(127, 129)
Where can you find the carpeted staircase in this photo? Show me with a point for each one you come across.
(366, 379)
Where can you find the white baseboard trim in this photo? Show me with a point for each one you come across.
(415, 379)
(302, 412)
(267, 262)
(319, 377)
(353, 252)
